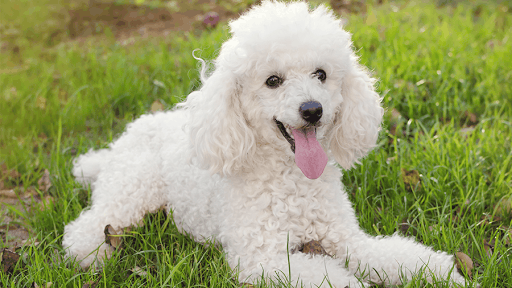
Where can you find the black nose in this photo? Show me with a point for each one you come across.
(311, 111)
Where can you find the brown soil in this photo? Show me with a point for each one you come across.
(130, 20)
(133, 20)
(126, 22)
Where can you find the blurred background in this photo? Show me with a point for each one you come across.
(46, 23)
(74, 73)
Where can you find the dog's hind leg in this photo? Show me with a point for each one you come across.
(87, 167)
(126, 188)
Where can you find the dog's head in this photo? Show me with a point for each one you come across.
(288, 79)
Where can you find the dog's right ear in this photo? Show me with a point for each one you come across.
(220, 138)
(357, 122)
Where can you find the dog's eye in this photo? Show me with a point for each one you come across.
(273, 81)
(320, 74)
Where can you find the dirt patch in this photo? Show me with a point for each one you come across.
(13, 228)
(126, 20)
(17, 203)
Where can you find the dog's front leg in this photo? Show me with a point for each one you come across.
(265, 263)
(393, 260)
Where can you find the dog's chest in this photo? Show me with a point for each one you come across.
(306, 215)
(301, 208)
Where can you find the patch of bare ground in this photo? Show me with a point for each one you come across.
(128, 20)
(16, 202)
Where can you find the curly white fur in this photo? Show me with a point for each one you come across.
(221, 164)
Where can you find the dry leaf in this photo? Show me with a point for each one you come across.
(92, 283)
(394, 120)
(486, 219)
(30, 191)
(30, 242)
(111, 237)
(41, 103)
(411, 179)
(3, 169)
(139, 271)
(464, 263)
(313, 247)
(489, 247)
(504, 206)
(508, 239)
(45, 183)
(45, 201)
(63, 96)
(8, 193)
(421, 82)
(371, 19)
(157, 106)
(395, 115)
(159, 84)
(13, 173)
(399, 83)
(461, 211)
(47, 285)
(471, 117)
(466, 131)
(9, 260)
(406, 228)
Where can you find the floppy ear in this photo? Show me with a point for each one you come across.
(357, 121)
(220, 137)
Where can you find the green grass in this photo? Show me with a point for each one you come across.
(436, 66)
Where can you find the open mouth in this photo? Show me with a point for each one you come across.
(309, 154)
(285, 133)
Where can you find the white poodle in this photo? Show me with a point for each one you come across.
(249, 160)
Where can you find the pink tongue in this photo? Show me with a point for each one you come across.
(309, 155)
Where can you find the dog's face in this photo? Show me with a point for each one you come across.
(288, 77)
(298, 98)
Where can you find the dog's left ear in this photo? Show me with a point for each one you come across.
(221, 139)
(357, 121)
